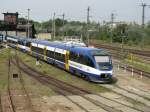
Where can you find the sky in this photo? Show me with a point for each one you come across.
(42, 10)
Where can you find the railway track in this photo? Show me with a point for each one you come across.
(143, 108)
(137, 52)
(58, 86)
(9, 90)
(133, 69)
(119, 55)
(145, 55)
(129, 67)
(63, 88)
(0, 104)
(129, 91)
(1, 110)
(24, 94)
(66, 89)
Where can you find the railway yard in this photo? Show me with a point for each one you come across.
(74, 56)
(27, 87)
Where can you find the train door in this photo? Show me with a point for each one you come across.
(45, 49)
(30, 51)
(67, 60)
(1, 40)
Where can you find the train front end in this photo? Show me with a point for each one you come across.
(103, 65)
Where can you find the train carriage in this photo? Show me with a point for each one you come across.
(90, 63)
(12, 41)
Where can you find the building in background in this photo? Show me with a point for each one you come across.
(15, 26)
(44, 36)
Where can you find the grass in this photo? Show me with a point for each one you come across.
(34, 87)
(137, 62)
(31, 85)
(61, 74)
(3, 70)
(138, 65)
(133, 60)
(137, 47)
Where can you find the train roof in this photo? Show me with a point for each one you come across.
(63, 45)
(15, 37)
(77, 49)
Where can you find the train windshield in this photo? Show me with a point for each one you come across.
(104, 62)
(102, 59)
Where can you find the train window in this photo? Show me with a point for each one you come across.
(10, 41)
(60, 57)
(40, 50)
(34, 49)
(74, 57)
(90, 63)
(28, 44)
(81, 59)
(50, 54)
(85, 60)
(71, 56)
(20, 42)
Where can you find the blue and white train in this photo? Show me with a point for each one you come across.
(92, 64)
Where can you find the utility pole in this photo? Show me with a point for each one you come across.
(28, 23)
(144, 5)
(54, 26)
(88, 22)
(112, 17)
(143, 14)
(26, 17)
(63, 24)
(112, 23)
(99, 27)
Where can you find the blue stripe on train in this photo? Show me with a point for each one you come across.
(93, 76)
(60, 64)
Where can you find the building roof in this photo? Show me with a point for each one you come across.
(8, 13)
